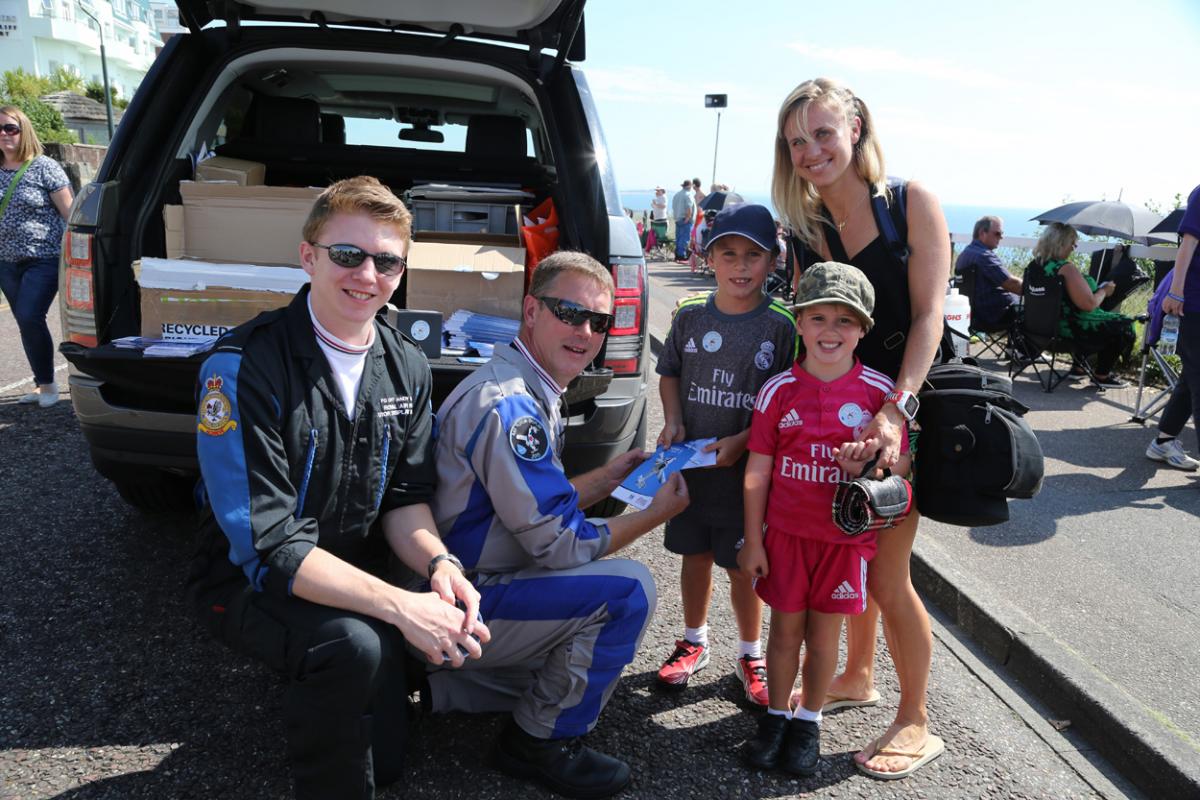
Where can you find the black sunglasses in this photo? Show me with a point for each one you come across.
(575, 315)
(351, 255)
(10, 129)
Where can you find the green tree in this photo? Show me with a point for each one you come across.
(65, 79)
(95, 90)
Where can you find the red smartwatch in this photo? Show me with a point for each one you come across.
(906, 402)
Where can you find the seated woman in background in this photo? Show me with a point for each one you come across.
(1106, 333)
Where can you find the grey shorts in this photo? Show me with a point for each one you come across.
(690, 534)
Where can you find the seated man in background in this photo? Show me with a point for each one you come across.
(997, 291)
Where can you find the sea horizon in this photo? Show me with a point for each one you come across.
(960, 218)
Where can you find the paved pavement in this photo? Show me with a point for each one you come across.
(111, 691)
(1089, 593)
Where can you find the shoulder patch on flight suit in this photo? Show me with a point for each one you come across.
(528, 439)
(215, 409)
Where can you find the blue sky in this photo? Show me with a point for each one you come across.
(1014, 104)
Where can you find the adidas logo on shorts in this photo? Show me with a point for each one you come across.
(790, 420)
(690, 347)
(844, 592)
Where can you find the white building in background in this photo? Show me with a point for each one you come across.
(166, 18)
(40, 36)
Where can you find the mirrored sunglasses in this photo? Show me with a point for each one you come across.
(10, 129)
(350, 256)
(575, 315)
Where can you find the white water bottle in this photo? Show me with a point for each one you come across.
(958, 317)
(1169, 335)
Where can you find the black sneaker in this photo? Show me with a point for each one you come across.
(1110, 382)
(565, 766)
(802, 749)
(762, 752)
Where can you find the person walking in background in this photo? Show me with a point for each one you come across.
(828, 166)
(997, 291)
(720, 350)
(1182, 299)
(1106, 333)
(683, 210)
(35, 199)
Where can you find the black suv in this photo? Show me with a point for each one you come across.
(319, 94)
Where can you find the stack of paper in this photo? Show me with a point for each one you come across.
(468, 329)
(162, 348)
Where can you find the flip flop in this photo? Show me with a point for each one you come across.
(932, 748)
(833, 702)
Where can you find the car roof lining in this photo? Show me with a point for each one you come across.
(318, 74)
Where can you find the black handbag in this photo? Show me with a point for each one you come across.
(974, 450)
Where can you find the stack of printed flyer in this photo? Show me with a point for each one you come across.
(639, 487)
(469, 330)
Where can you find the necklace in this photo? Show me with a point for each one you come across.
(841, 226)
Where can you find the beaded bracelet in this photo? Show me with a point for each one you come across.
(1174, 296)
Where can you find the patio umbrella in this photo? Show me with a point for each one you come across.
(1105, 218)
(718, 200)
(1170, 224)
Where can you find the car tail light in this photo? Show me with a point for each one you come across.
(78, 295)
(623, 350)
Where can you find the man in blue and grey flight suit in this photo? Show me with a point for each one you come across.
(315, 441)
(563, 622)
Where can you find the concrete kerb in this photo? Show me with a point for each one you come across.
(1120, 728)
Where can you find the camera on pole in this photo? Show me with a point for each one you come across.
(717, 101)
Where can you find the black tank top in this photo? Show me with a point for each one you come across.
(883, 347)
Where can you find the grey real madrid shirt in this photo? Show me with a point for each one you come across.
(721, 361)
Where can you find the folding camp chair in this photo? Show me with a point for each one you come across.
(994, 338)
(1036, 332)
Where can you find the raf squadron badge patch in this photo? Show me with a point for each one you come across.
(215, 410)
(528, 439)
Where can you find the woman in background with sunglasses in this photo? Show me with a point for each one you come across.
(35, 198)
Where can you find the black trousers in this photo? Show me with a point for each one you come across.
(346, 706)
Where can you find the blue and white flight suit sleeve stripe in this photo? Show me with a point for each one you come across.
(564, 623)
(247, 475)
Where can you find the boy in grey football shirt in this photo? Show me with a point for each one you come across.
(721, 349)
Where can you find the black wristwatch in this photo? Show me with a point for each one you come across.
(433, 562)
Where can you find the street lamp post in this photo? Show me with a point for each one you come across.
(717, 101)
(104, 72)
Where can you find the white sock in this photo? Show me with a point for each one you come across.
(752, 649)
(803, 713)
(697, 635)
(775, 712)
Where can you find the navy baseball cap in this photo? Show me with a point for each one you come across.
(745, 219)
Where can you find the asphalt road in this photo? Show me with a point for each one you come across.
(110, 690)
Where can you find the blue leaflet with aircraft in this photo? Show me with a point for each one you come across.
(639, 487)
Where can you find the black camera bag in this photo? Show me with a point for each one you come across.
(974, 450)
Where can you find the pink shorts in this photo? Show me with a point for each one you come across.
(810, 574)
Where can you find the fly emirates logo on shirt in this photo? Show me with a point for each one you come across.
(821, 467)
(720, 392)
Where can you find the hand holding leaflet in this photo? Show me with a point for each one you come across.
(639, 487)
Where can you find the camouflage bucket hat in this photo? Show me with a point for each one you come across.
(831, 282)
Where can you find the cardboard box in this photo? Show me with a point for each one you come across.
(173, 223)
(478, 273)
(240, 171)
(191, 301)
(223, 222)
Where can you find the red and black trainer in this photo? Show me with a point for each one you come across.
(752, 672)
(687, 659)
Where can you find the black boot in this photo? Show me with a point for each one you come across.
(565, 766)
(802, 749)
(762, 752)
